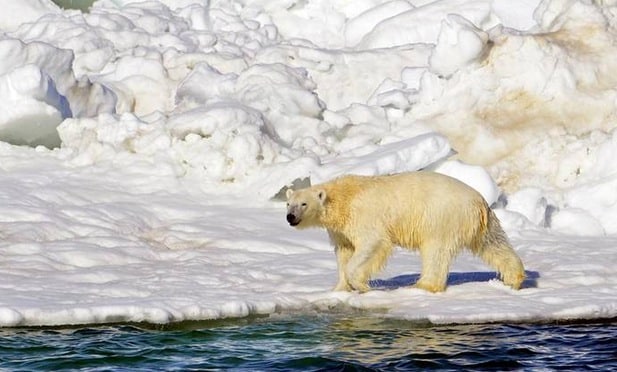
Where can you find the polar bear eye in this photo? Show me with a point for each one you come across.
(304, 204)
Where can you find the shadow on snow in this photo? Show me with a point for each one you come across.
(453, 279)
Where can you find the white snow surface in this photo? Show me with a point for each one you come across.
(143, 143)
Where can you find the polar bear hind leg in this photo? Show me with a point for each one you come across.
(496, 251)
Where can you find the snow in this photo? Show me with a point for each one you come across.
(144, 148)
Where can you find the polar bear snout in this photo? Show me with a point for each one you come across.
(303, 207)
(295, 213)
(292, 219)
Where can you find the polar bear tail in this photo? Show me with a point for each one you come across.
(495, 249)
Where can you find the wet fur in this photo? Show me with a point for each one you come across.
(367, 216)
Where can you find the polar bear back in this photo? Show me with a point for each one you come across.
(409, 208)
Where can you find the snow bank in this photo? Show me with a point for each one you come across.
(26, 11)
(102, 244)
(39, 91)
(175, 122)
(530, 96)
(423, 24)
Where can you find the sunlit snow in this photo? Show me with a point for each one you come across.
(143, 144)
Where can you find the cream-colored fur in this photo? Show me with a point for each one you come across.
(436, 214)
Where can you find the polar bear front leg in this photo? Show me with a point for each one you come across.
(343, 254)
(343, 250)
(368, 258)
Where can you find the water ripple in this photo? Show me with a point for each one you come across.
(312, 343)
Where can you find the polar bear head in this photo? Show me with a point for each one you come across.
(304, 207)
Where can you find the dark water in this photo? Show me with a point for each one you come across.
(315, 342)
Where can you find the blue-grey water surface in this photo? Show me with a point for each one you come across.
(312, 342)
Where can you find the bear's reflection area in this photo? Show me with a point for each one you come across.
(388, 344)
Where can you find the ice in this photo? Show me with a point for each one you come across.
(39, 91)
(145, 146)
(518, 16)
(531, 203)
(474, 176)
(26, 11)
(422, 24)
(31, 108)
(357, 27)
(351, 77)
(459, 43)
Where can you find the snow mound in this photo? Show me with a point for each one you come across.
(173, 123)
(39, 91)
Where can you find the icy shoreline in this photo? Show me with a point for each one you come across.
(157, 132)
(161, 252)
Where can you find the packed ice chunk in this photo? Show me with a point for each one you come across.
(31, 108)
(474, 176)
(531, 203)
(459, 43)
(17, 13)
(422, 24)
(39, 90)
(357, 27)
(517, 15)
(224, 141)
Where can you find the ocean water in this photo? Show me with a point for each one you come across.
(344, 342)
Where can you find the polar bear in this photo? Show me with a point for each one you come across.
(366, 216)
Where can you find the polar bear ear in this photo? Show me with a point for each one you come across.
(289, 193)
(321, 195)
